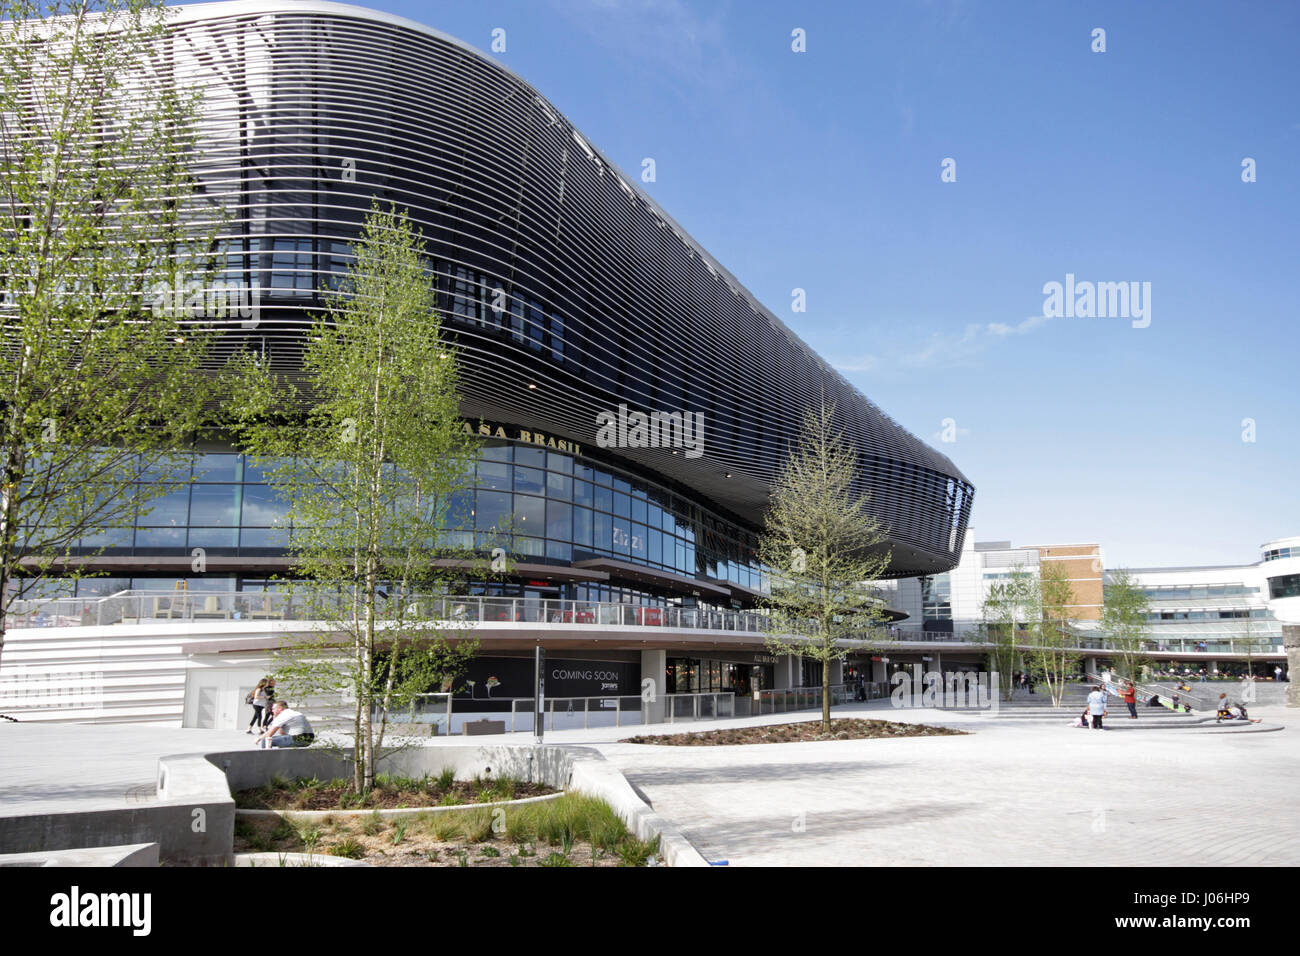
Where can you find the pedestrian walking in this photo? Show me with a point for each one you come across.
(1097, 707)
(270, 702)
(261, 706)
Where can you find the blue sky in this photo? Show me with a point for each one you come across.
(821, 170)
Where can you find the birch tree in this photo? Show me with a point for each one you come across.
(1124, 621)
(102, 381)
(371, 473)
(823, 551)
(1009, 606)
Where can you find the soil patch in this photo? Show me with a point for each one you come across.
(387, 794)
(844, 729)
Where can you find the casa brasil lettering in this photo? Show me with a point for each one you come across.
(656, 430)
(1102, 300)
(74, 908)
(535, 438)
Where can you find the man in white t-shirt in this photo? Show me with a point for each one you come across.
(288, 728)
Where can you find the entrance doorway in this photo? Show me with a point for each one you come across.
(214, 697)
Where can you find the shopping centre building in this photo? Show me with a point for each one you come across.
(1220, 618)
(571, 293)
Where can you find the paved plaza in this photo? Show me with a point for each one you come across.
(1019, 789)
(1016, 791)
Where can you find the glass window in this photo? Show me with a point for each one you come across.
(559, 521)
(638, 544)
(559, 486)
(622, 505)
(109, 538)
(604, 499)
(622, 535)
(582, 527)
(600, 477)
(583, 493)
(638, 509)
(214, 505)
(213, 537)
(530, 514)
(531, 456)
(559, 462)
(494, 476)
(264, 537)
(262, 507)
(529, 547)
(460, 510)
(169, 510)
(560, 550)
(493, 508)
(217, 468)
(656, 546)
(601, 539)
(261, 471)
(495, 450)
(160, 537)
(529, 480)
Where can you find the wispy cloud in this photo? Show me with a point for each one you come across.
(668, 36)
(940, 349)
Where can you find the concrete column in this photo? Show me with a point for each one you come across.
(654, 665)
(879, 671)
(1090, 665)
(785, 671)
(837, 672)
(1291, 641)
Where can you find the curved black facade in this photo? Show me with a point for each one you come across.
(570, 291)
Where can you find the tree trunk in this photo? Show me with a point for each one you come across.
(826, 696)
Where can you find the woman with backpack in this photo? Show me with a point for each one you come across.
(261, 705)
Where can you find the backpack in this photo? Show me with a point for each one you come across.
(248, 698)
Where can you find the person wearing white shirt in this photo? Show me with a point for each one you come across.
(288, 728)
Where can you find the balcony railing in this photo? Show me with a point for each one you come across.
(146, 607)
(140, 607)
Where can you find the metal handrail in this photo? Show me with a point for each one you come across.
(549, 707)
(1144, 692)
(142, 605)
(810, 696)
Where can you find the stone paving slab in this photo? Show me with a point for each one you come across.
(55, 767)
(1010, 793)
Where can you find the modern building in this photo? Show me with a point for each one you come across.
(571, 294)
(1201, 617)
(953, 601)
